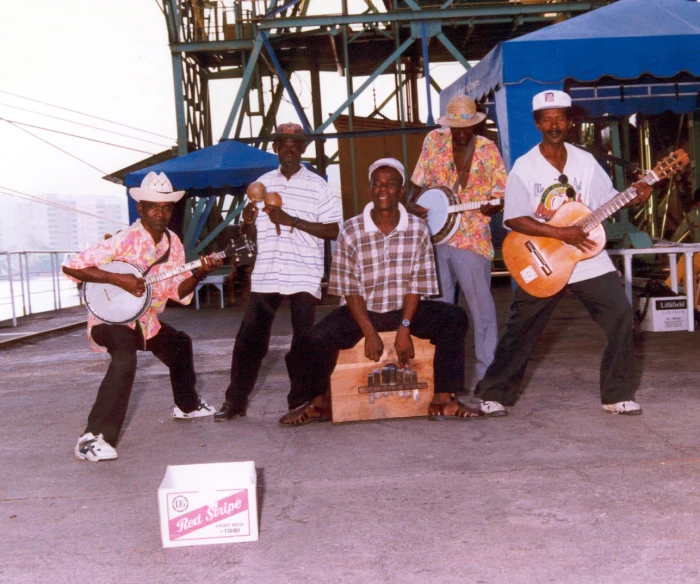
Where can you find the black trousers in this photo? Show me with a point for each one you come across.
(605, 300)
(172, 347)
(253, 341)
(312, 361)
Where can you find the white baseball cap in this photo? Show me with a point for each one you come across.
(550, 99)
(392, 162)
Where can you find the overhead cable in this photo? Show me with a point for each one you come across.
(16, 123)
(57, 147)
(82, 124)
(84, 114)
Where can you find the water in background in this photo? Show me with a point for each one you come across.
(41, 295)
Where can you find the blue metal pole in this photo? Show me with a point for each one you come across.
(426, 72)
(389, 60)
(247, 74)
(288, 86)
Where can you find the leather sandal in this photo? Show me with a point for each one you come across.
(307, 414)
(436, 412)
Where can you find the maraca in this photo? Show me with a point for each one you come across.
(256, 191)
(273, 199)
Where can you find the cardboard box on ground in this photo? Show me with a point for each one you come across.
(202, 504)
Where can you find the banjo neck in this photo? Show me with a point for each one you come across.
(471, 206)
(171, 273)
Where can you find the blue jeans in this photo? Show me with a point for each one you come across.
(253, 341)
(473, 272)
(605, 300)
(311, 361)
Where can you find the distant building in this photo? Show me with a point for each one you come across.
(28, 225)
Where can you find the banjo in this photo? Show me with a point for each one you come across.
(444, 208)
(114, 305)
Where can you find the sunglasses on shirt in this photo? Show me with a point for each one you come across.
(564, 180)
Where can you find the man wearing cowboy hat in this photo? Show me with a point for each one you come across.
(552, 173)
(289, 263)
(143, 244)
(472, 167)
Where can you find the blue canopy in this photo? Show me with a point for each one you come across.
(227, 164)
(627, 57)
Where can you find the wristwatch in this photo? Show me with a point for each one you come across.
(295, 221)
(405, 323)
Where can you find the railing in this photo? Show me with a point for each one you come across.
(32, 281)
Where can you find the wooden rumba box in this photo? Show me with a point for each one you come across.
(364, 390)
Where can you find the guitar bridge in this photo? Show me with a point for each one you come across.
(535, 253)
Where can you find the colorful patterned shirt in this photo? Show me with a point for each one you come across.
(136, 246)
(383, 268)
(487, 180)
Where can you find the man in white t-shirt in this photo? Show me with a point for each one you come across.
(551, 174)
(289, 263)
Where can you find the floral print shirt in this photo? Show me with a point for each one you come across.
(487, 180)
(136, 246)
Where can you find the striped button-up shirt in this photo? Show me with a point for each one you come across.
(293, 261)
(383, 268)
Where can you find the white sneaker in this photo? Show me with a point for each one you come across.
(94, 448)
(202, 410)
(625, 408)
(493, 409)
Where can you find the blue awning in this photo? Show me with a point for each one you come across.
(227, 164)
(627, 57)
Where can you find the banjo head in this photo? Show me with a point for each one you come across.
(114, 305)
(441, 222)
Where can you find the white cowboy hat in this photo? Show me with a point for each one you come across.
(156, 188)
(461, 113)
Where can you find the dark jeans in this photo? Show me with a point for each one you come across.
(172, 347)
(253, 340)
(312, 361)
(605, 300)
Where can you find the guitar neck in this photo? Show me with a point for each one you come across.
(591, 221)
(171, 273)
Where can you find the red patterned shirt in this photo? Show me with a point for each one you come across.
(487, 180)
(136, 246)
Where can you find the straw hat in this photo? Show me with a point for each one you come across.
(156, 188)
(461, 113)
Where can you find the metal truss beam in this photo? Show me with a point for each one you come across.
(507, 12)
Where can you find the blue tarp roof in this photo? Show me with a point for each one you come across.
(228, 163)
(648, 41)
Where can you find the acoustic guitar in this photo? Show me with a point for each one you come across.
(542, 266)
(114, 305)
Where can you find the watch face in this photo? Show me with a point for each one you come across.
(405, 322)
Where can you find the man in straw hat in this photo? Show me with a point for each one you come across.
(382, 296)
(471, 166)
(549, 175)
(289, 264)
(143, 244)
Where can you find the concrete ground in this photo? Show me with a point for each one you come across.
(558, 491)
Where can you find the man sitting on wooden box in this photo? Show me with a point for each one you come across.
(383, 265)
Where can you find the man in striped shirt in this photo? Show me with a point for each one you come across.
(383, 266)
(289, 263)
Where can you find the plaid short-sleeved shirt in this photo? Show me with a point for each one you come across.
(383, 268)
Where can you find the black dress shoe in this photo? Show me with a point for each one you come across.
(228, 411)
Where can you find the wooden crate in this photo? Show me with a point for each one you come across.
(354, 397)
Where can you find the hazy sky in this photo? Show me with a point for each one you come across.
(109, 59)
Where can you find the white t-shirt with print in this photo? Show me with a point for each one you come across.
(533, 190)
